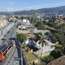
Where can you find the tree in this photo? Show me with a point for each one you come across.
(48, 58)
(21, 37)
(56, 53)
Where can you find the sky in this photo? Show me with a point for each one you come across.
(13, 5)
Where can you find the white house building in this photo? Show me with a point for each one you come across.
(46, 48)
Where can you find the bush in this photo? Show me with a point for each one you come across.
(56, 53)
(21, 37)
(48, 58)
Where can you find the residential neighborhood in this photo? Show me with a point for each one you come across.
(32, 32)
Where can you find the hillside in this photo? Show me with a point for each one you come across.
(42, 11)
(59, 61)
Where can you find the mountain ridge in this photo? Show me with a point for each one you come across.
(43, 11)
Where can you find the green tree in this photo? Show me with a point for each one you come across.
(47, 58)
(56, 53)
(21, 37)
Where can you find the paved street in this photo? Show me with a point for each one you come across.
(12, 60)
(12, 57)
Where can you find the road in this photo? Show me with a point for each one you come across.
(19, 56)
(9, 56)
(12, 60)
(14, 56)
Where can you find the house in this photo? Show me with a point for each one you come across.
(45, 47)
(31, 44)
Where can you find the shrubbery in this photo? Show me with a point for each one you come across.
(56, 53)
(47, 58)
(21, 37)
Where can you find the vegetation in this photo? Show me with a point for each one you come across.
(37, 36)
(21, 37)
(58, 35)
(32, 59)
(56, 53)
(39, 25)
(47, 58)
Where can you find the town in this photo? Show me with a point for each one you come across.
(32, 40)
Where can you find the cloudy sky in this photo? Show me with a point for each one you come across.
(12, 5)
